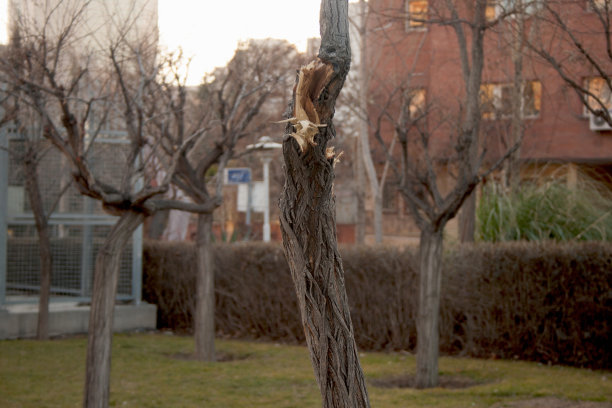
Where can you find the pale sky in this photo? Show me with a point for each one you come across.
(209, 30)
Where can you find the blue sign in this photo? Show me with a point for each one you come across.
(237, 175)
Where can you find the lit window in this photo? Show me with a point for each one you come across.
(487, 100)
(601, 92)
(491, 10)
(496, 100)
(417, 14)
(598, 5)
(532, 98)
(416, 102)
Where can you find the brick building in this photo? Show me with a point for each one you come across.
(411, 53)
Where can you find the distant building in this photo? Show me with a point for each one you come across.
(78, 224)
(560, 140)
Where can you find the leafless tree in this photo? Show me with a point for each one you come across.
(574, 38)
(356, 100)
(228, 103)
(33, 148)
(415, 126)
(66, 80)
(308, 215)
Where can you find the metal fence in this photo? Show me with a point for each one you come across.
(77, 224)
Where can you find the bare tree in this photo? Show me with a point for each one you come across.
(33, 148)
(356, 97)
(418, 127)
(308, 216)
(581, 52)
(370, 97)
(30, 150)
(229, 102)
(67, 81)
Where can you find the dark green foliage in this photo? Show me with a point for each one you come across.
(534, 301)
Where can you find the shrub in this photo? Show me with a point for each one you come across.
(536, 301)
(552, 211)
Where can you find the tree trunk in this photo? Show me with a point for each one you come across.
(360, 216)
(469, 143)
(513, 170)
(430, 278)
(363, 137)
(307, 215)
(44, 242)
(204, 316)
(97, 376)
(378, 216)
(309, 238)
(467, 219)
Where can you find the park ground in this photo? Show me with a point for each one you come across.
(157, 370)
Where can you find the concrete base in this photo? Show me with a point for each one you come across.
(19, 320)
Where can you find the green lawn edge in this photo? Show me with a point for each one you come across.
(155, 370)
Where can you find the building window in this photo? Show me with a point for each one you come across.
(416, 102)
(495, 8)
(532, 98)
(416, 11)
(599, 93)
(491, 10)
(487, 100)
(496, 100)
(598, 5)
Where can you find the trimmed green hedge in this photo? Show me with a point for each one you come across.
(535, 301)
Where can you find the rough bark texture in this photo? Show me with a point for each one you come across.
(308, 217)
(430, 279)
(463, 193)
(204, 316)
(467, 219)
(104, 291)
(513, 167)
(44, 243)
(468, 145)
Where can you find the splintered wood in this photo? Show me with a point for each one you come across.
(306, 121)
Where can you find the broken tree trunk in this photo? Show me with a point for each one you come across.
(308, 221)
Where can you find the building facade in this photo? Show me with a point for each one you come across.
(548, 49)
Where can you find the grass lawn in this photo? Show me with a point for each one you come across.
(152, 370)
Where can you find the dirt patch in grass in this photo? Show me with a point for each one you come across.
(409, 381)
(551, 402)
(220, 357)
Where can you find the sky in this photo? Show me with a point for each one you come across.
(209, 30)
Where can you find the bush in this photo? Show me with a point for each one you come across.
(255, 296)
(542, 302)
(536, 301)
(549, 212)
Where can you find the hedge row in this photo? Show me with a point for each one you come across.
(543, 302)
